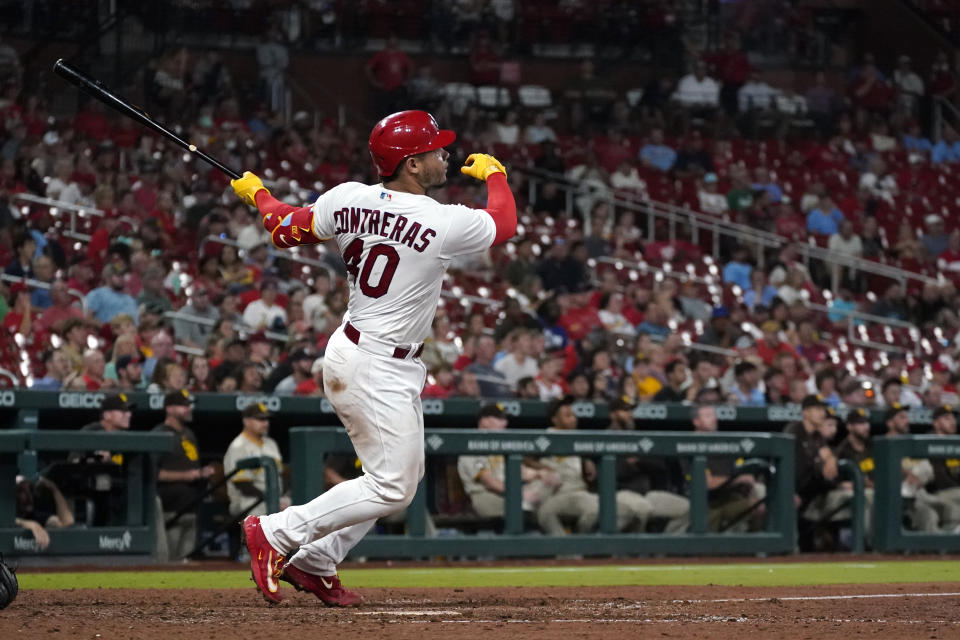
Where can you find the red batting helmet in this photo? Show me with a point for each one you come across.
(404, 134)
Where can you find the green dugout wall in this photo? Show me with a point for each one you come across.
(309, 445)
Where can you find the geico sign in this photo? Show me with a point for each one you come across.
(272, 402)
(156, 401)
(726, 412)
(650, 412)
(432, 407)
(325, 406)
(783, 414)
(510, 407)
(8, 399)
(584, 409)
(80, 400)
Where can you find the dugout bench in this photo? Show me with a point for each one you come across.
(889, 533)
(310, 445)
(136, 536)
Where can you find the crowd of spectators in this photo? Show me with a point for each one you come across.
(162, 310)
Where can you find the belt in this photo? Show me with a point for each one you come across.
(378, 347)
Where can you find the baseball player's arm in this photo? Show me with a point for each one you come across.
(500, 203)
(490, 482)
(502, 208)
(287, 225)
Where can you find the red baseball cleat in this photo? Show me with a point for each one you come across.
(266, 563)
(327, 588)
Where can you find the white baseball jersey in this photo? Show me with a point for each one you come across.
(397, 246)
(243, 447)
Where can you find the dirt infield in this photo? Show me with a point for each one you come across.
(926, 610)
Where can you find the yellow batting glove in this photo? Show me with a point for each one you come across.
(247, 186)
(481, 166)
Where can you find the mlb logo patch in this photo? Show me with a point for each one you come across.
(386, 196)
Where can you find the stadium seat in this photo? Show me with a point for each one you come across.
(534, 96)
(493, 97)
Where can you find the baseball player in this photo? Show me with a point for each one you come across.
(246, 490)
(397, 243)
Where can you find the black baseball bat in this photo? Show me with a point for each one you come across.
(94, 88)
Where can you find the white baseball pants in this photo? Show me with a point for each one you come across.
(377, 397)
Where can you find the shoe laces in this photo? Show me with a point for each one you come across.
(277, 568)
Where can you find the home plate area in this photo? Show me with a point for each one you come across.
(925, 610)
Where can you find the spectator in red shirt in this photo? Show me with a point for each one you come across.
(810, 346)
(484, 61)
(388, 71)
(770, 345)
(313, 386)
(334, 169)
(91, 122)
(90, 376)
(126, 133)
(870, 91)
(61, 309)
(943, 80)
(580, 318)
(444, 384)
(949, 260)
(144, 190)
(21, 316)
(731, 67)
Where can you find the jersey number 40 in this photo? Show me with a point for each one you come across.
(353, 256)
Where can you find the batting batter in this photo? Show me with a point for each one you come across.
(397, 243)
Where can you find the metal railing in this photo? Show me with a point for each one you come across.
(75, 210)
(700, 222)
(852, 316)
(237, 326)
(40, 284)
(837, 259)
(942, 107)
(289, 254)
(11, 376)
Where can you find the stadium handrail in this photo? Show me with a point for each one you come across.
(850, 316)
(75, 210)
(9, 375)
(674, 214)
(237, 326)
(40, 284)
(288, 254)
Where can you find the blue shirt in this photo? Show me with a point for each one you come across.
(40, 298)
(105, 304)
(738, 273)
(659, 155)
(653, 329)
(832, 400)
(910, 143)
(776, 193)
(146, 370)
(839, 308)
(47, 384)
(943, 152)
(755, 399)
(766, 297)
(824, 223)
